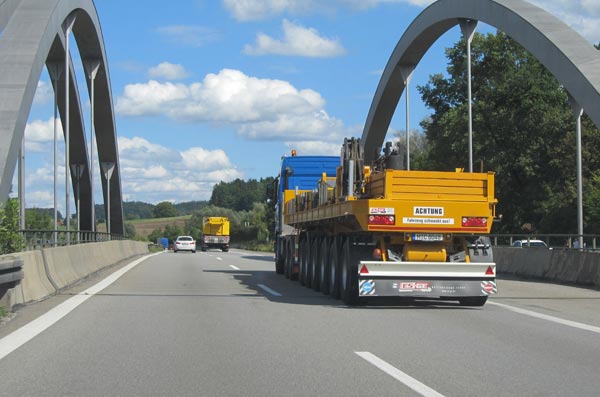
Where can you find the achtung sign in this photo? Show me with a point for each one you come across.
(428, 211)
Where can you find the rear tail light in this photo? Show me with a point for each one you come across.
(382, 220)
(470, 221)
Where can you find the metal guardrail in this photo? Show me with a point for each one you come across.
(568, 241)
(37, 239)
(11, 270)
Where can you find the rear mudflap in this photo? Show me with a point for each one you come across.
(426, 288)
(426, 279)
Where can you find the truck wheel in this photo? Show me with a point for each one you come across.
(325, 263)
(349, 275)
(473, 301)
(309, 258)
(316, 263)
(279, 265)
(203, 249)
(334, 285)
(286, 260)
(302, 262)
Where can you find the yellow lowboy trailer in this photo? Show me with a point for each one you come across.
(392, 232)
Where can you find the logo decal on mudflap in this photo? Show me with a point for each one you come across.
(489, 287)
(366, 287)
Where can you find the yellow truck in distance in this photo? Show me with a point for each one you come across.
(215, 233)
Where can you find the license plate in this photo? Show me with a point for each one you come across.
(427, 237)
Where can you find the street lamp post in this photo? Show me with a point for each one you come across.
(68, 26)
(54, 69)
(107, 170)
(467, 26)
(407, 71)
(578, 111)
(77, 172)
(92, 67)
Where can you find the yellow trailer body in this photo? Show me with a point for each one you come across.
(215, 233)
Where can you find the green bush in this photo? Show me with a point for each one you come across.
(10, 239)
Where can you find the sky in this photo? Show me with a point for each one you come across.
(214, 90)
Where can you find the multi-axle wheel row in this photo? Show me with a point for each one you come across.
(325, 263)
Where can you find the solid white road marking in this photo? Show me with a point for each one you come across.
(13, 341)
(546, 317)
(399, 375)
(219, 258)
(269, 290)
(234, 267)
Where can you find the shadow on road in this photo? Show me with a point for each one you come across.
(293, 293)
(265, 258)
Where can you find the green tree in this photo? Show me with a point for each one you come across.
(164, 210)
(10, 239)
(130, 230)
(523, 130)
(38, 219)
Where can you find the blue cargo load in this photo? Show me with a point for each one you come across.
(304, 172)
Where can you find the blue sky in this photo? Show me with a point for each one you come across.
(206, 91)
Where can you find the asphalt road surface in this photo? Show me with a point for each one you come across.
(224, 324)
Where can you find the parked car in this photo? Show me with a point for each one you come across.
(529, 243)
(184, 243)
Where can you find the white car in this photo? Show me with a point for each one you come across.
(529, 243)
(184, 243)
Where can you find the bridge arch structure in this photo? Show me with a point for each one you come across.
(33, 35)
(567, 55)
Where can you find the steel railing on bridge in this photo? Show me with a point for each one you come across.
(568, 241)
(37, 239)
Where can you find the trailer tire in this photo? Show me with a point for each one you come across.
(325, 263)
(284, 259)
(279, 264)
(303, 261)
(349, 275)
(473, 301)
(334, 268)
(308, 264)
(316, 264)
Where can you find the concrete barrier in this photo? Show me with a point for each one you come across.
(559, 265)
(51, 269)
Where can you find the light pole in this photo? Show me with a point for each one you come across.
(407, 72)
(22, 185)
(107, 170)
(92, 67)
(77, 171)
(578, 111)
(68, 26)
(467, 26)
(54, 69)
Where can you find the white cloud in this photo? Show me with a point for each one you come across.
(257, 108)
(581, 15)
(252, 10)
(169, 71)
(39, 135)
(44, 93)
(154, 173)
(297, 41)
(191, 36)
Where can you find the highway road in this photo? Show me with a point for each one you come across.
(224, 324)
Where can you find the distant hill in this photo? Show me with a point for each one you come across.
(133, 210)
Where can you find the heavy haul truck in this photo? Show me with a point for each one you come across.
(358, 231)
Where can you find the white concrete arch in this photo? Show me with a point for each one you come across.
(567, 55)
(32, 35)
